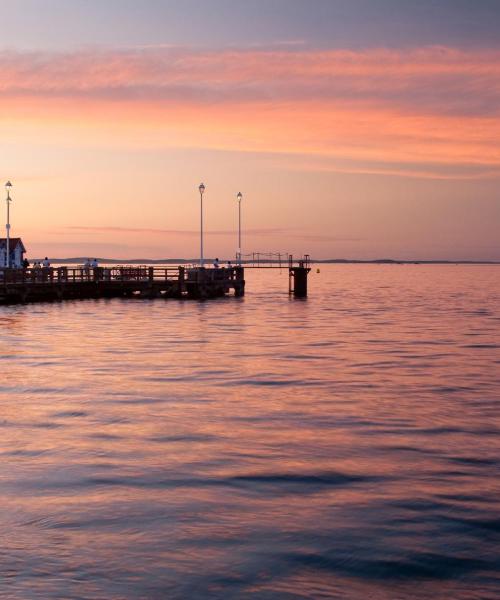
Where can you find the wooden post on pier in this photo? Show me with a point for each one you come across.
(239, 281)
(202, 288)
(180, 282)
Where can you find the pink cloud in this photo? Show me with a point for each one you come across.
(257, 232)
(430, 112)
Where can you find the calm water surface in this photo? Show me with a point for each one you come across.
(346, 446)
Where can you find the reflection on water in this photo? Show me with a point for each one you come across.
(341, 447)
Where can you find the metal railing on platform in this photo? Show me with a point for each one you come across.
(273, 260)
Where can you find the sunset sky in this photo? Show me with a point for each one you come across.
(353, 128)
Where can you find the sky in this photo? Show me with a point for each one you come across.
(356, 129)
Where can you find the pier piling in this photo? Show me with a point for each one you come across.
(297, 278)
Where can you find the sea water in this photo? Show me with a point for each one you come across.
(344, 446)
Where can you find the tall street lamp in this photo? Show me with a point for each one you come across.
(201, 187)
(239, 197)
(8, 185)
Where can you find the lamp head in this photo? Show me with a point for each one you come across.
(201, 187)
(8, 186)
(239, 196)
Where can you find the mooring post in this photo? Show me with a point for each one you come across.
(299, 276)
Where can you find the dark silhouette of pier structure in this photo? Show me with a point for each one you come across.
(190, 282)
(298, 270)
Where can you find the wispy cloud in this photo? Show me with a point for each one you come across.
(442, 80)
(290, 233)
(430, 112)
(176, 232)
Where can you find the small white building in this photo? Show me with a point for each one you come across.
(16, 251)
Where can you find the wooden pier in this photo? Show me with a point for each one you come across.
(63, 283)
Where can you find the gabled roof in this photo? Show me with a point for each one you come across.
(13, 242)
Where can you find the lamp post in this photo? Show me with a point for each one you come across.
(239, 196)
(201, 188)
(8, 185)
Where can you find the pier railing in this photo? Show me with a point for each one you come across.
(273, 260)
(85, 274)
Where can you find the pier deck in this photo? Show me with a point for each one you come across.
(62, 283)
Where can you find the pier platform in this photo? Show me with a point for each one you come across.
(64, 283)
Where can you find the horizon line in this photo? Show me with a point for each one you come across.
(311, 260)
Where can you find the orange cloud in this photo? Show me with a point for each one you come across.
(429, 112)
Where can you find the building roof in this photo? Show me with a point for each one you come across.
(13, 242)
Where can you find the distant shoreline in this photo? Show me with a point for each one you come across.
(208, 261)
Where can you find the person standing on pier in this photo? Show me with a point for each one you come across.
(45, 269)
(86, 268)
(216, 263)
